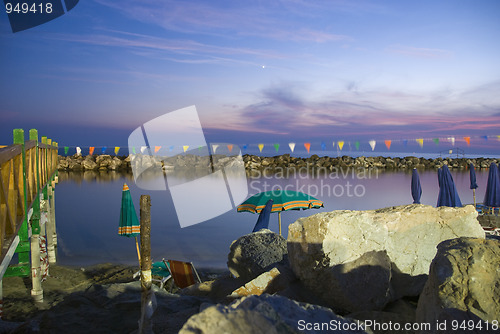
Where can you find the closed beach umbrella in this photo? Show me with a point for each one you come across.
(492, 196)
(416, 189)
(473, 184)
(129, 224)
(263, 221)
(283, 200)
(448, 195)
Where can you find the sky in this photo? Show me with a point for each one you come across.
(260, 72)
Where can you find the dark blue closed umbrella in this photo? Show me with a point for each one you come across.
(492, 196)
(448, 195)
(416, 189)
(263, 221)
(473, 184)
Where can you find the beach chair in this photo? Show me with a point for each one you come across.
(160, 269)
(182, 272)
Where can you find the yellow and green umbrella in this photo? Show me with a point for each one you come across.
(129, 224)
(283, 200)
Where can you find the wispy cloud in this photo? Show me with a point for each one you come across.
(284, 110)
(411, 51)
(270, 20)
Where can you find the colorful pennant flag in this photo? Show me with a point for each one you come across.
(420, 142)
(157, 148)
(91, 150)
(133, 150)
(143, 149)
(117, 149)
(245, 147)
(436, 141)
(292, 146)
(485, 137)
(372, 144)
(104, 150)
(276, 147)
(78, 151)
(214, 147)
(452, 140)
(357, 145)
(66, 149)
(467, 140)
(307, 146)
(185, 147)
(405, 142)
(261, 146)
(171, 148)
(230, 147)
(323, 146)
(388, 144)
(341, 144)
(333, 144)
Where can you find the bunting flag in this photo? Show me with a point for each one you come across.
(292, 146)
(245, 147)
(78, 151)
(143, 149)
(307, 146)
(372, 144)
(199, 148)
(323, 146)
(341, 144)
(104, 150)
(157, 148)
(452, 140)
(171, 148)
(230, 147)
(333, 144)
(498, 138)
(357, 145)
(485, 137)
(66, 149)
(388, 144)
(467, 140)
(420, 142)
(261, 146)
(405, 142)
(117, 149)
(214, 147)
(276, 147)
(436, 141)
(185, 147)
(91, 150)
(133, 150)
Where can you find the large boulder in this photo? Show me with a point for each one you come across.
(464, 283)
(255, 253)
(408, 234)
(269, 314)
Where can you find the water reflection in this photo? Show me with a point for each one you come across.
(88, 209)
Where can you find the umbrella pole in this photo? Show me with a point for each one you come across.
(279, 219)
(138, 251)
(474, 194)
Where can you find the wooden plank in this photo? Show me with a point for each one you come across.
(9, 152)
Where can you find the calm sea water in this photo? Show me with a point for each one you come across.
(88, 211)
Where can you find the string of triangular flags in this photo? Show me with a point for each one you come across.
(335, 145)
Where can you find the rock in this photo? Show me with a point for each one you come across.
(114, 164)
(256, 253)
(62, 163)
(268, 314)
(409, 234)
(258, 285)
(89, 164)
(464, 283)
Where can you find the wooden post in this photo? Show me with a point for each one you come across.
(50, 225)
(36, 274)
(147, 305)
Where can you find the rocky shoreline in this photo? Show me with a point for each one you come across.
(408, 269)
(276, 163)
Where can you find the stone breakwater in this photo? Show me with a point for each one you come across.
(278, 163)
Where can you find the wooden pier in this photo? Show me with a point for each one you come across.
(28, 175)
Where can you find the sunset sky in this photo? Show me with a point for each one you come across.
(259, 71)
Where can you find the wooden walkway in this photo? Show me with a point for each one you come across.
(28, 174)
